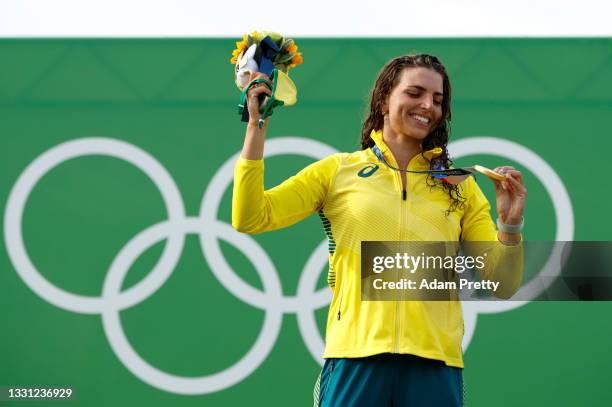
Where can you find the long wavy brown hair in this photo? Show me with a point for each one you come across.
(386, 81)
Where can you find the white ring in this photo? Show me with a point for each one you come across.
(55, 156)
(145, 371)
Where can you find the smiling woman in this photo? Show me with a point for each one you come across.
(388, 353)
(411, 103)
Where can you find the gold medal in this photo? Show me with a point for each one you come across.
(489, 173)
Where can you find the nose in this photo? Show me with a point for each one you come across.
(427, 102)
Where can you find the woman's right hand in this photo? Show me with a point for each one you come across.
(253, 97)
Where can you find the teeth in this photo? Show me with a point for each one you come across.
(422, 119)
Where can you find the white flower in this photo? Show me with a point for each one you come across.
(245, 66)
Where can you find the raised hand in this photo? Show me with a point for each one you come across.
(510, 195)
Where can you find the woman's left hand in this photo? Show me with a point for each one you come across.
(510, 195)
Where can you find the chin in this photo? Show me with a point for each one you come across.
(417, 134)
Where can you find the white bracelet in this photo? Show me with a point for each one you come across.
(502, 227)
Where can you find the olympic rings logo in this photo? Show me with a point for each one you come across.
(209, 229)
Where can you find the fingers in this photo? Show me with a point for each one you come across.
(504, 169)
(509, 170)
(500, 185)
(255, 91)
(516, 186)
(513, 182)
(258, 75)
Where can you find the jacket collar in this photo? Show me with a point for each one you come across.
(418, 161)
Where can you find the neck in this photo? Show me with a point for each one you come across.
(403, 147)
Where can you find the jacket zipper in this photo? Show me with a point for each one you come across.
(401, 227)
(397, 326)
(397, 303)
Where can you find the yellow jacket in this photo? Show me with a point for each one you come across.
(360, 199)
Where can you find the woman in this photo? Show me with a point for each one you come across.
(386, 353)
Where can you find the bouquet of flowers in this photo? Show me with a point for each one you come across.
(274, 55)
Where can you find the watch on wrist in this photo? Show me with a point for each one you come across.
(503, 227)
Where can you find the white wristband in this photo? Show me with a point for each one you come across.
(502, 227)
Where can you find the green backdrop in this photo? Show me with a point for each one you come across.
(175, 99)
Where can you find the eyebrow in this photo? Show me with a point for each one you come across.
(423, 89)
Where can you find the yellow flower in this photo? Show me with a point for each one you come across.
(241, 46)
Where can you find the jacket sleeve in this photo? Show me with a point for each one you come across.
(504, 263)
(255, 210)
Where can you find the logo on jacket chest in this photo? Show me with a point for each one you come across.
(368, 170)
